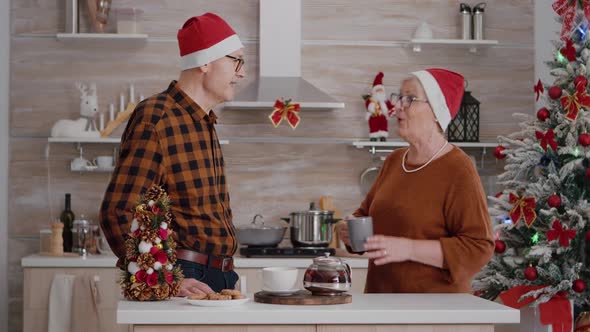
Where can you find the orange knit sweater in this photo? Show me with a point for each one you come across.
(444, 201)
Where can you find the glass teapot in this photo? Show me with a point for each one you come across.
(327, 276)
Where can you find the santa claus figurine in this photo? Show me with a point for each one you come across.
(378, 108)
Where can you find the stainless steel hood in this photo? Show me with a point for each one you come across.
(280, 62)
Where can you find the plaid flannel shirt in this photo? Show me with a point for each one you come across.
(169, 140)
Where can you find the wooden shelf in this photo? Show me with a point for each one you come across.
(380, 147)
(472, 44)
(95, 37)
(100, 140)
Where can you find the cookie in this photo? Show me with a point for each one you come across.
(197, 296)
(232, 292)
(237, 297)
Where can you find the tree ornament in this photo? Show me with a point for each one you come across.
(524, 207)
(572, 103)
(584, 139)
(554, 201)
(547, 138)
(569, 51)
(554, 92)
(543, 114)
(285, 110)
(538, 88)
(500, 246)
(581, 79)
(582, 322)
(559, 233)
(530, 273)
(579, 286)
(498, 152)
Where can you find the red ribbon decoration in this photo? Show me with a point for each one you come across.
(285, 110)
(524, 208)
(569, 51)
(547, 138)
(556, 312)
(573, 102)
(567, 10)
(564, 235)
(539, 89)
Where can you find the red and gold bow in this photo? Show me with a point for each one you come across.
(524, 207)
(539, 88)
(564, 235)
(569, 51)
(567, 10)
(573, 102)
(547, 138)
(285, 110)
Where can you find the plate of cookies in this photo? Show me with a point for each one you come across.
(225, 298)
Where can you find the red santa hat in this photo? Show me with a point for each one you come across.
(204, 39)
(378, 79)
(444, 90)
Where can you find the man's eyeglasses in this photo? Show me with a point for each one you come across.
(239, 62)
(405, 101)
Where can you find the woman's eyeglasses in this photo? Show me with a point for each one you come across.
(405, 101)
(239, 62)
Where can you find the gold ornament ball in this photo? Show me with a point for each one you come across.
(583, 322)
(159, 245)
(132, 278)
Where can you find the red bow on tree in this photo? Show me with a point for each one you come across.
(567, 10)
(573, 102)
(569, 51)
(285, 110)
(564, 235)
(539, 89)
(547, 138)
(524, 207)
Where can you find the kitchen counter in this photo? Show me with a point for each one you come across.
(110, 261)
(448, 310)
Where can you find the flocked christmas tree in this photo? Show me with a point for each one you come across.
(541, 249)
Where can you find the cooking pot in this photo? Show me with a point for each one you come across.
(327, 276)
(312, 228)
(258, 234)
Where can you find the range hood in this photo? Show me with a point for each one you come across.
(280, 62)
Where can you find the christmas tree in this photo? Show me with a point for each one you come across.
(151, 273)
(541, 249)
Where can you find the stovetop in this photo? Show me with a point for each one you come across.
(285, 251)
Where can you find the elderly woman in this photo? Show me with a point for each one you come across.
(428, 205)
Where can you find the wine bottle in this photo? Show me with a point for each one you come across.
(67, 218)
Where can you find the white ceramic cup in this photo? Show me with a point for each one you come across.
(80, 163)
(276, 279)
(104, 162)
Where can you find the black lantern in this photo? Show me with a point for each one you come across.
(465, 126)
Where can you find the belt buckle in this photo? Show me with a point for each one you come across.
(226, 264)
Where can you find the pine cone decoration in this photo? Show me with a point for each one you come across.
(172, 258)
(146, 294)
(154, 193)
(161, 291)
(144, 220)
(175, 289)
(145, 261)
(169, 218)
(148, 235)
(131, 249)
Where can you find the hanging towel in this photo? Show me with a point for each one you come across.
(85, 304)
(60, 303)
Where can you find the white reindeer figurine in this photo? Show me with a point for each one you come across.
(86, 125)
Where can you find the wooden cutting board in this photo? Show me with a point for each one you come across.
(302, 297)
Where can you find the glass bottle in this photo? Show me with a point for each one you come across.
(67, 218)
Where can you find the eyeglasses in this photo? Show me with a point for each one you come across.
(239, 64)
(405, 101)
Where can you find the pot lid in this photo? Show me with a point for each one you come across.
(258, 223)
(327, 260)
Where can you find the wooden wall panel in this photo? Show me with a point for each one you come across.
(272, 179)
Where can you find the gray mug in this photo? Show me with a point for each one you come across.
(359, 229)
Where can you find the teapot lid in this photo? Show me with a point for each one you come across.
(327, 260)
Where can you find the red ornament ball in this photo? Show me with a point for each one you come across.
(554, 201)
(581, 79)
(543, 114)
(500, 246)
(498, 152)
(499, 194)
(530, 273)
(555, 92)
(584, 139)
(579, 285)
